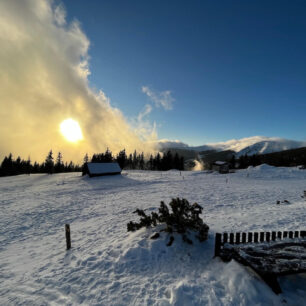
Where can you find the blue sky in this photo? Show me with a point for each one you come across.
(234, 68)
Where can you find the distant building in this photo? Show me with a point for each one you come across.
(99, 169)
(220, 166)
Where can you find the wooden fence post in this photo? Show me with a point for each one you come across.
(218, 244)
(68, 238)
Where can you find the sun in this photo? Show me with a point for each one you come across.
(71, 130)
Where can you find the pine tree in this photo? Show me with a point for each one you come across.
(141, 161)
(49, 164)
(59, 166)
(122, 159)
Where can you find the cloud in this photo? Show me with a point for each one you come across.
(146, 111)
(44, 80)
(163, 98)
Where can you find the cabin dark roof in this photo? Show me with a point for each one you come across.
(94, 169)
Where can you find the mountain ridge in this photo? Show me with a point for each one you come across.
(249, 145)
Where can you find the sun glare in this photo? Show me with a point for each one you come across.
(71, 130)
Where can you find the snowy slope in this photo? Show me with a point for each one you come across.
(249, 145)
(109, 266)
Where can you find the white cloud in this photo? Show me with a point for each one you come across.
(145, 111)
(43, 77)
(163, 98)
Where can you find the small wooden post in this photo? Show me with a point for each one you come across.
(285, 234)
(231, 238)
(255, 237)
(296, 234)
(273, 236)
(291, 234)
(218, 244)
(262, 237)
(250, 237)
(68, 238)
(243, 240)
(279, 235)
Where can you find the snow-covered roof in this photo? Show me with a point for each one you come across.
(103, 168)
(220, 163)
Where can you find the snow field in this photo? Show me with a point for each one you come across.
(109, 266)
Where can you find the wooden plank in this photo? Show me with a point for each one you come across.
(237, 238)
(267, 236)
(231, 238)
(225, 237)
(243, 240)
(250, 237)
(255, 237)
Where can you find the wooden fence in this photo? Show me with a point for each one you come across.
(253, 237)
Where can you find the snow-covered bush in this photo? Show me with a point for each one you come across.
(182, 217)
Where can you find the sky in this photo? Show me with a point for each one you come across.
(231, 69)
(82, 76)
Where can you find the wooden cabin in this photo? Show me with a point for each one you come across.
(220, 166)
(101, 169)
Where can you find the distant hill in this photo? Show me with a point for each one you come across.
(248, 146)
(287, 158)
(187, 154)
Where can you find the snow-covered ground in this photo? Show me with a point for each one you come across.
(109, 266)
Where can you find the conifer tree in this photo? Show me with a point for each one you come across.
(49, 164)
(122, 159)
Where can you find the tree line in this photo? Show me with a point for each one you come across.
(10, 166)
(287, 158)
(136, 160)
(167, 161)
